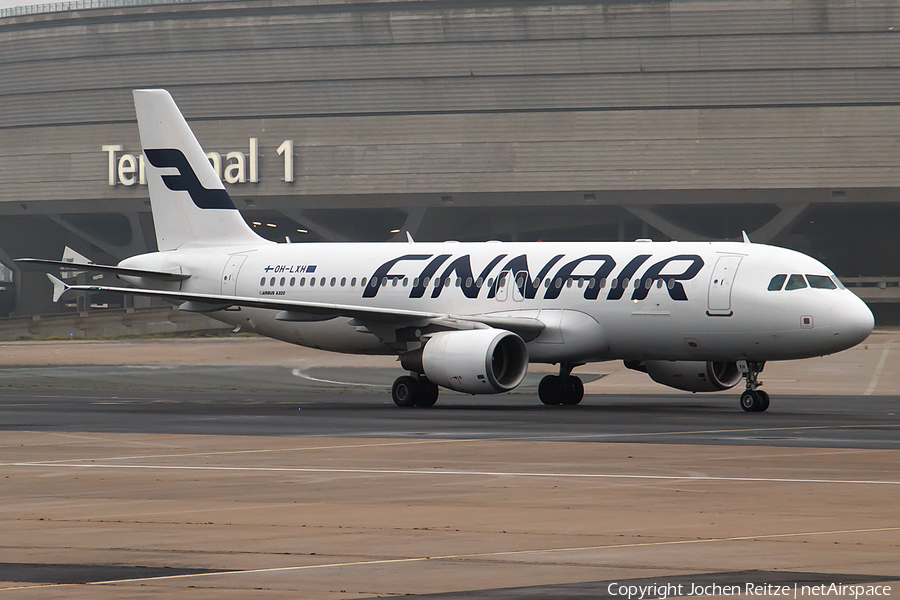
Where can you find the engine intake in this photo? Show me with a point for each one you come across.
(691, 376)
(478, 361)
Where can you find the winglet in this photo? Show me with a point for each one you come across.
(746, 238)
(59, 287)
(409, 238)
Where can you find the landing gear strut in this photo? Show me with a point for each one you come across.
(564, 388)
(753, 399)
(414, 391)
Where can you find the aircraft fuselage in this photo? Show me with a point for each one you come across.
(600, 301)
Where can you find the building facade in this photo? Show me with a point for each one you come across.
(468, 120)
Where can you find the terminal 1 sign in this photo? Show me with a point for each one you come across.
(234, 167)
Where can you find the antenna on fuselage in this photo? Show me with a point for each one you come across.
(746, 237)
(409, 238)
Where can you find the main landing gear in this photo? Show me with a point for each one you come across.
(564, 388)
(753, 399)
(414, 391)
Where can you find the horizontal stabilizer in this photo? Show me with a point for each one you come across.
(158, 275)
(59, 287)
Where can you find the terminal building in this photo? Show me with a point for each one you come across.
(353, 120)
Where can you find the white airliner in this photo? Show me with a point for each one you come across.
(471, 316)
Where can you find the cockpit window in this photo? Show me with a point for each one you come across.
(795, 282)
(777, 282)
(822, 282)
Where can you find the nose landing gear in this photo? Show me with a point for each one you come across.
(753, 399)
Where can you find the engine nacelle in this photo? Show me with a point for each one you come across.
(477, 361)
(693, 376)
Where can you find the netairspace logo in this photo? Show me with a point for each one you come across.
(662, 591)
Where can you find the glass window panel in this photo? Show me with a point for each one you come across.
(777, 283)
(795, 282)
(821, 282)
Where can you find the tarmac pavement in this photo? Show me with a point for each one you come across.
(183, 468)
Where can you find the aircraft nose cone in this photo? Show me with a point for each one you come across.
(852, 320)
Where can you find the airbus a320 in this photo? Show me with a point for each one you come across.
(470, 317)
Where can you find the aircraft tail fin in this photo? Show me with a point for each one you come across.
(190, 205)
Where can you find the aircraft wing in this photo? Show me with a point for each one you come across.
(74, 266)
(292, 310)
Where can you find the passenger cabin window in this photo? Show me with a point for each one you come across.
(795, 282)
(777, 283)
(822, 282)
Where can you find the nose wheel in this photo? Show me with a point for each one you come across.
(753, 399)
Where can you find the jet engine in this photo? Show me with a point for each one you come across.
(477, 361)
(690, 376)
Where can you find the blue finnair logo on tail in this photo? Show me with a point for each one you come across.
(186, 180)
